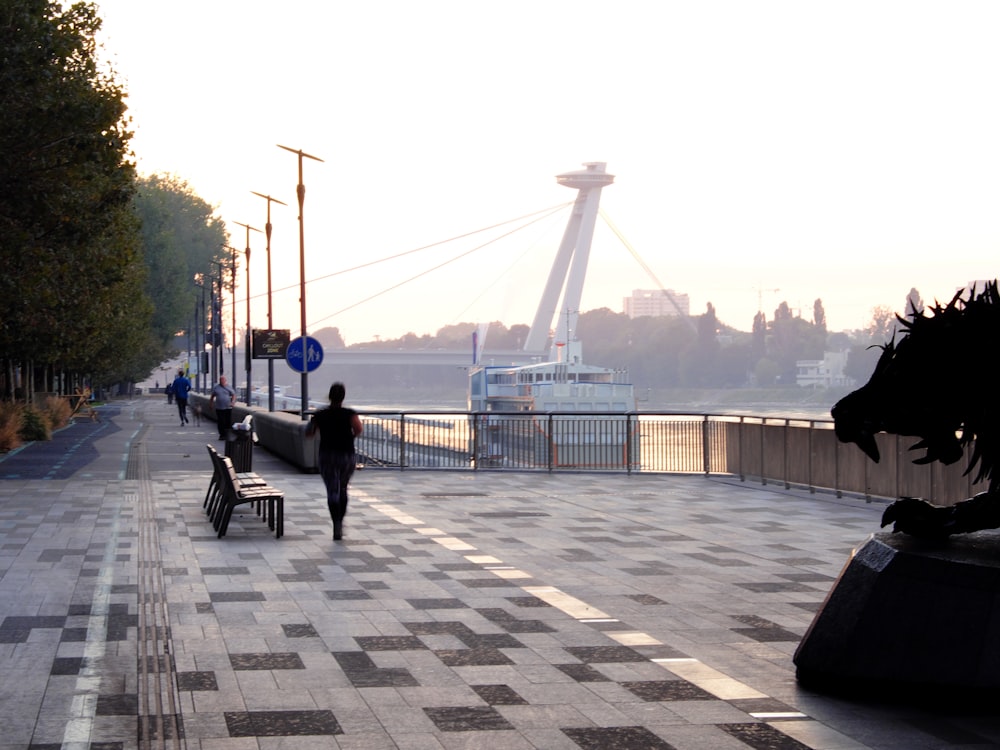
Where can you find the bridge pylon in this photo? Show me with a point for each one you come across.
(569, 270)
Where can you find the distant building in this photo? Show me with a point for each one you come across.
(656, 303)
(823, 373)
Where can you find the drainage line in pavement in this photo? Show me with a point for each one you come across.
(159, 706)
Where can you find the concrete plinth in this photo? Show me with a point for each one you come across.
(910, 619)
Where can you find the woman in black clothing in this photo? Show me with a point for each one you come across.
(337, 426)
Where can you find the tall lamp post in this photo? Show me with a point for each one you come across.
(270, 323)
(246, 340)
(198, 333)
(300, 191)
(232, 349)
(203, 355)
(218, 363)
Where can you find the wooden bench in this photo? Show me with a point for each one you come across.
(229, 490)
(213, 495)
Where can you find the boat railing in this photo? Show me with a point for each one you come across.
(778, 451)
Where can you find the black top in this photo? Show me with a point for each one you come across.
(335, 430)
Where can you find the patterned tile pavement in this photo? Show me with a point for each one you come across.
(461, 610)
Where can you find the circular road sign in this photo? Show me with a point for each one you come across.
(304, 358)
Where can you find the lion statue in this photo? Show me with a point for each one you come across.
(936, 382)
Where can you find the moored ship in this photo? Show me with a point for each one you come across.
(561, 413)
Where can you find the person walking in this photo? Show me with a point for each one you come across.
(181, 387)
(222, 399)
(337, 427)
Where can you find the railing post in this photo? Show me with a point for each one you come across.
(836, 468)
(784, 457)
(739, 443)
(402, 440)
(706, 458)
(809, 447)
(628, 443)
(550, 442)
(763, 426)
(476, 448)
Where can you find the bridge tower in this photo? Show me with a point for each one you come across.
(570, 267)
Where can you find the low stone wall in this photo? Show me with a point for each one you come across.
(279, 432)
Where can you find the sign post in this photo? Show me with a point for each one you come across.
(304, 354)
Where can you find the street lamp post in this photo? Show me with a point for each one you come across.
(300, 191)
(270, 323)
(204, 322)
(218, 363)
(232, 349)
(197, 354)
(246, 340)
(200, 333)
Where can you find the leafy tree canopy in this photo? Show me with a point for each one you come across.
(181, 238)
(68, 240)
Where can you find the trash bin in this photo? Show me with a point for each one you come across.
(239, 446)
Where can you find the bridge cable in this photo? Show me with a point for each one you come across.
(646, 268)
(548, 213)
(528, 249)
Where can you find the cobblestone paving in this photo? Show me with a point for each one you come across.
(460, 610)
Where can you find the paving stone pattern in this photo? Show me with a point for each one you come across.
(461, 610)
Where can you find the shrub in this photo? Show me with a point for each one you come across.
(57, 412)
(11, 419)
(34, 425)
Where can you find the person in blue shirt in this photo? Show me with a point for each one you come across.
(181, 386)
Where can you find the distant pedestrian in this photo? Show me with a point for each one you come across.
(169, 390)
(181, 387)
(222, 399)
(337, 427)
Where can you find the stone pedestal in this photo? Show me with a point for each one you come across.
(910, 619)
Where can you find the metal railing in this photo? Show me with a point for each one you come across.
(785, 451)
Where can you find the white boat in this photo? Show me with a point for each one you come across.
(570, 413)
(564, 414)
(568, 385)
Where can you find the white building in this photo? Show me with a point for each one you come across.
(656, 303)
(823, 373)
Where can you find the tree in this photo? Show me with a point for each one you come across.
(882, 327)
(68, 242)
(791, 340)
(759, 345)
(819, 315)
(861, 357)
(181, 239)
(914, 304)
(699, 364)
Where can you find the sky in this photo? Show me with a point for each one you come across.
(762, 151)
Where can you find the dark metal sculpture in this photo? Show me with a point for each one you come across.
(937, 382)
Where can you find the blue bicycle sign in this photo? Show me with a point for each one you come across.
(304, 358)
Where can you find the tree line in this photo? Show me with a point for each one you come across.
(699, 351)
(99, 265)
(103, 269)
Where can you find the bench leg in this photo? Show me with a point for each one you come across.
(223, 521)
